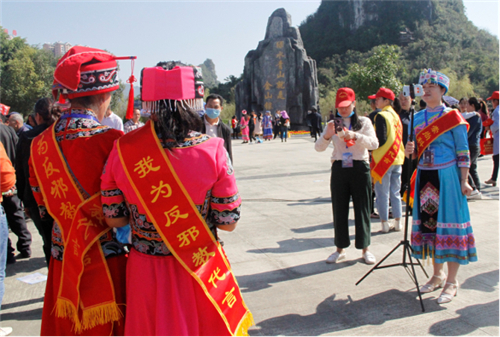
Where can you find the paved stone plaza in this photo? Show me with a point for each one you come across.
(278, 254)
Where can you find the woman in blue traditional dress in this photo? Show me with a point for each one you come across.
(441, 222)
(267, 125)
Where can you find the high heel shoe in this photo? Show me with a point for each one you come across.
(429, 287)
(491, 182)
(447, 297)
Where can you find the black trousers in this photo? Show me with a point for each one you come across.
(404, 173)
(15, 218)
(344, 183)
(494, 174)
(473, 175)
(44, 227)
(315, 133)
(250, 133)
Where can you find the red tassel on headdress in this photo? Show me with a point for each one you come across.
(130, 106)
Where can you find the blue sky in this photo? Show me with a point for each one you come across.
(190, 31)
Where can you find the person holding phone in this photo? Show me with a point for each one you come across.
(352, 137)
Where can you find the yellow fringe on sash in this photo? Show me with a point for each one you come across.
(91, 317)
(245, 324)
(430, 258)
(66, 309)
(101, 315)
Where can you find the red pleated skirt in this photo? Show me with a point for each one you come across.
(55, 326)
(164, 300)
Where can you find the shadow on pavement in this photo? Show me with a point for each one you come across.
(477, 282)
(310, 229)
(336, 315)
(255, 282)
(296, 245)
(21, 303)
(459, 325)
(26, 266)
(28, 315)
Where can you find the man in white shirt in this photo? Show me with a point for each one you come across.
(133, 123)
(112, 120)
(213, 126)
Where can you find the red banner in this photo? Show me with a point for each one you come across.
(4, 109)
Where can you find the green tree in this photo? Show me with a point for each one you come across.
(26, 73)
(459, 87)
(226, 89)
(381, 69)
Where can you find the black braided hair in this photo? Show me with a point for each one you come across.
(175, 119)
(45, 108)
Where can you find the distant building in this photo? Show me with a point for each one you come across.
(58, 48)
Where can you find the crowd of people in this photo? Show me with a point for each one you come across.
(370, 163)
(130, 226)
(253, 125)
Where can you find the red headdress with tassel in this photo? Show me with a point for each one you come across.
(85, 71)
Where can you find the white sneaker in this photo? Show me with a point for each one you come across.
(398, 226)
(5, 331)
(369, 258)
(336, 257)
(475, 195)
(386, 226)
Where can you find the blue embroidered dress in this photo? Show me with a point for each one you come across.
(441, 220)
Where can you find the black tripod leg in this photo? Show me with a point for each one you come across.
(378, 264)
(415, 278)
(419, 263)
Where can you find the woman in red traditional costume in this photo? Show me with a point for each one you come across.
(85, 293)
(177, 187)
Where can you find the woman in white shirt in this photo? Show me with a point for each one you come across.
(350, 174)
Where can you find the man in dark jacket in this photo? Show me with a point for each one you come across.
(212, 124)
(12, 204)
(316, 126)
(43, 118)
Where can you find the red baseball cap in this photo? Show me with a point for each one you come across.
(345, 96)
(385, 93)
(494, 95)
(372, 96)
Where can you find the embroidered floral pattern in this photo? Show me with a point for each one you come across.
(226, 200)
(57, 249)
(111, 193)
(115, 210)
(76, 127)
(195, 138)
(145, 238)
(225, 217)
(429, 199)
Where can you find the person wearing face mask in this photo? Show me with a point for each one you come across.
(212, 125)
(350, 174)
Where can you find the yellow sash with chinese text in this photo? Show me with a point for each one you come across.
(82, 224)
(386, 155)
(177, 220)
(449, 120)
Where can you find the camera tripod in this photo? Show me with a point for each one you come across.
(407, 261)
